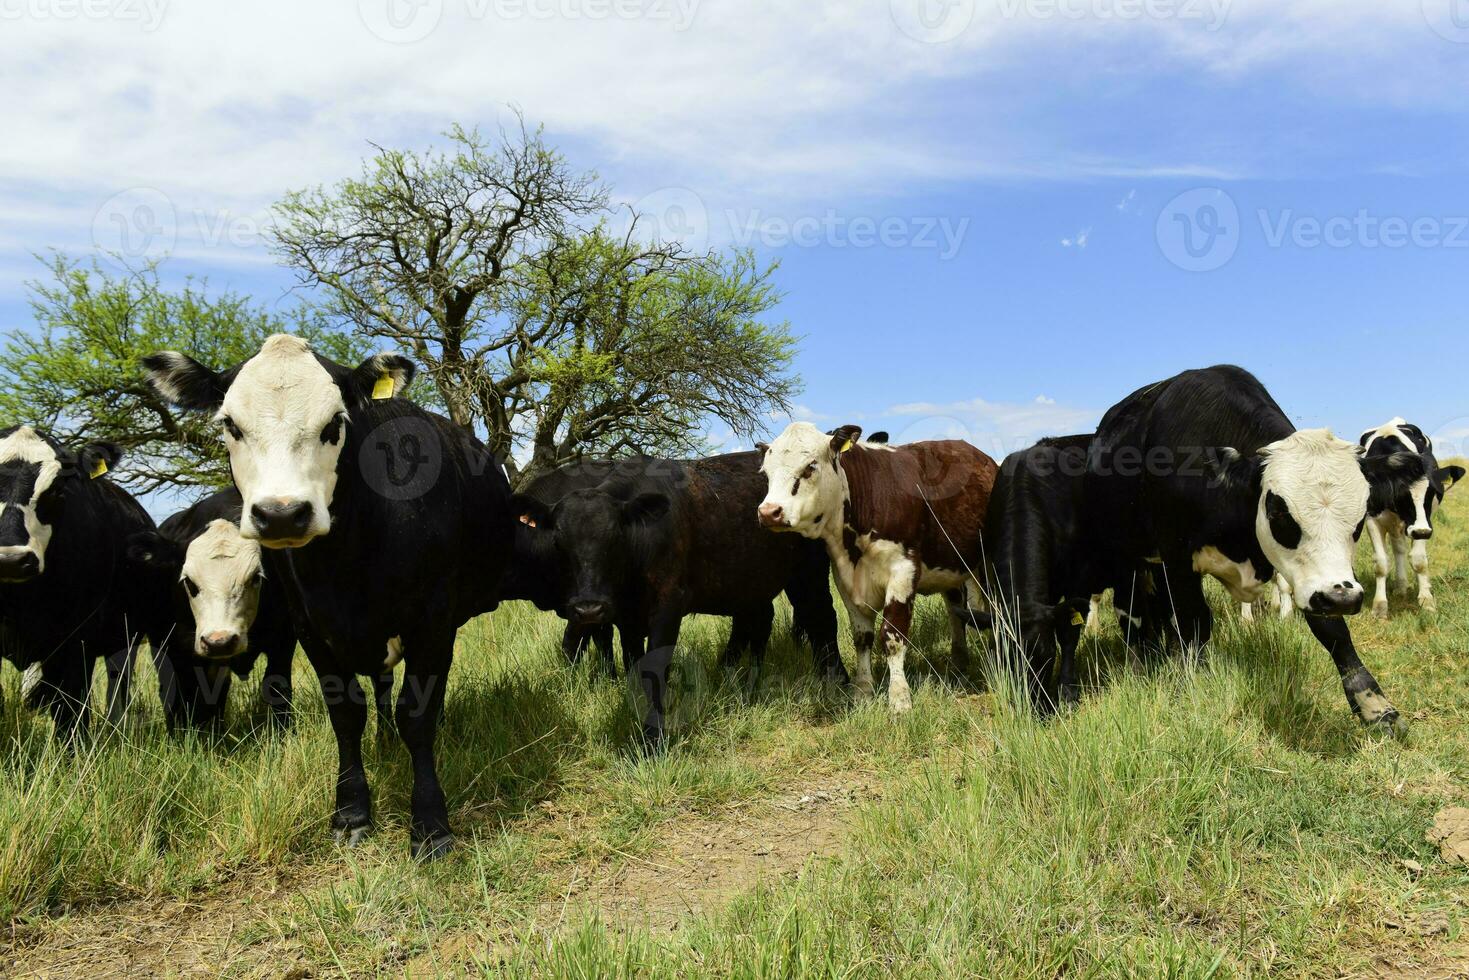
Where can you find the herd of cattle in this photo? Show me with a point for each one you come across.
(367, 531)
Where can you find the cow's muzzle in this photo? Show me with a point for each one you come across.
(1339, 600)
(773, 516)
(282, 523)
(220, 645)
(590, 612)
(19, 565)
(1420, 533)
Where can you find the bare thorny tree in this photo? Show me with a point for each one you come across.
(540, 329)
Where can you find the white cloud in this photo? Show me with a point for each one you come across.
(1078, 240)
(1127, 200)
(999, 428)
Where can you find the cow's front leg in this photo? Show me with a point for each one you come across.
(897, 617)
(382, 697)
(1362, 692)
(959, 620)
(275, 686)
(420, 705)
(1379, 558)
(119, 685)
(1400, 559)
(1426, 602)
(651, 672)
(863, 622)
(346, 707)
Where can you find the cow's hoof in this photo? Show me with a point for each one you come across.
(1379, 611)
(901, 704)
(1390, 723)
(1429, 605)
(352, 836)
(1070, 697)
(433, 847)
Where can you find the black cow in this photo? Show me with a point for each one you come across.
(661, 539)
(1041, 578)
(1204, 474)
(225, 611)
(66, 598)
(394, 529)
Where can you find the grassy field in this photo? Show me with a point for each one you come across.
(1213, 819)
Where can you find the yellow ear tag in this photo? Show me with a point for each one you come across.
(99, 469)
(845, 446)
(382, 387)
(1077, 619)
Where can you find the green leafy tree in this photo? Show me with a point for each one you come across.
(494, 265)
(76, 372)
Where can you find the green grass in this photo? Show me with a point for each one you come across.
(1204, 819)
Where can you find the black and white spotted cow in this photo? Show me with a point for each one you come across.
(1204, 474)
(896, 521)
(1407, 522)
(66, 597)
(388, 528)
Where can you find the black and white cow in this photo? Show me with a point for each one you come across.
(1041, 578)
(66, 597)
(1408, 517)
(662, 539)
(226, 610)
(389, 529)
(1204, 474)
(896, 522)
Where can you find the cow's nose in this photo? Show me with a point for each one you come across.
(772, 515)
(1420, 533)
(220, 644)
(281, 519)
(1343, 599)
(19, 566)
(590, 611)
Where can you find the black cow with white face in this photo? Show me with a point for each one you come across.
(387, 527)
(226, 611)
(66, 598)
(1407, 520)
(662, 539)
(1040, 574)
(1204, 474)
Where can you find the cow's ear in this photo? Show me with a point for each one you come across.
(1365, 437)
(154, 551)
(1450, 475)
(382, 376)
(878, 437)
(530, 511)
(180, 380)
(1071, 612)
(646, 508)
(845, 437)
(1230, 471)
(97, 458)
(1390, 476)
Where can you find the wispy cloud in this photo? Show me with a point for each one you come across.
(1077, 240)
(999, 428)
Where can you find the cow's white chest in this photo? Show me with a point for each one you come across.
(884, 572)
(1239, 578)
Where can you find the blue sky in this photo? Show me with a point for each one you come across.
(994, 219)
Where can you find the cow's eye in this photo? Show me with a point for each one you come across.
(809, 471)
(1282, 525)
(231, 428)
(332, 431)
(190, 587)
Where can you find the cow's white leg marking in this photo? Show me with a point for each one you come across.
(1284, 602)
(1094, 615)
(1426, 602)
(1379, 556)
(900, 699)
(862, 623)
(1247, 612)
(1400, 553)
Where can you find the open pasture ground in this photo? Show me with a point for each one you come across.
(1214, 819)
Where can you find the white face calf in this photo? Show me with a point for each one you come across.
(283, 414)
(35, 475)
(805, 487)
(222, 575)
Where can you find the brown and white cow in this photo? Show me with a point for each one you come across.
(898, 521)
